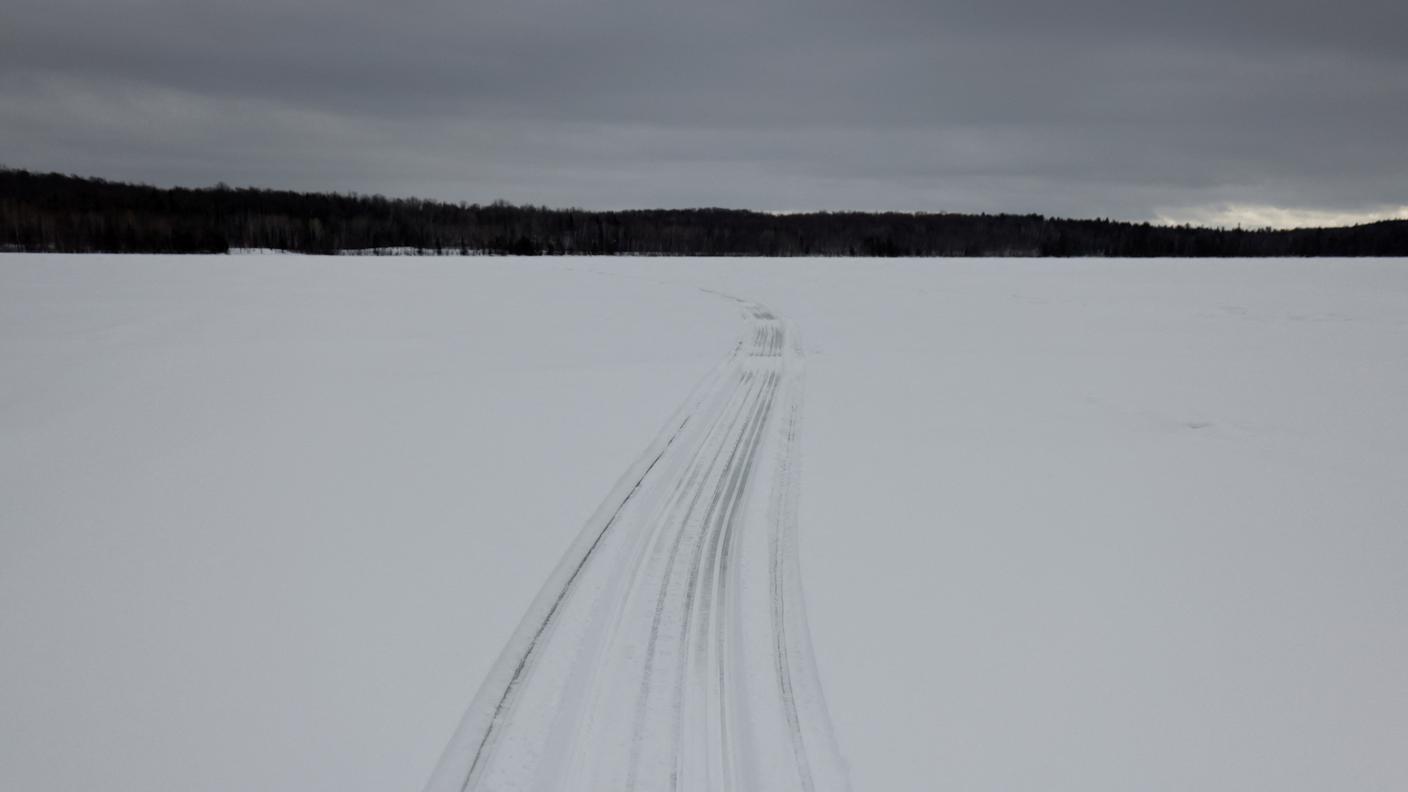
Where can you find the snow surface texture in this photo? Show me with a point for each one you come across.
(669, 649)
(267, 522)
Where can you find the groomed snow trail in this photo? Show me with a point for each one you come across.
(669, 648)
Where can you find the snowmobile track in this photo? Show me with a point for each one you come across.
(669, 648)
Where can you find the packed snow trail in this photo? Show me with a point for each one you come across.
(669, 648)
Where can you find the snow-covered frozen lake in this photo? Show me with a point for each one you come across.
(266, 522)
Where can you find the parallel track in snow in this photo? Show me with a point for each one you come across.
(669, 648)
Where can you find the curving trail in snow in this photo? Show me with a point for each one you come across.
(669, 648)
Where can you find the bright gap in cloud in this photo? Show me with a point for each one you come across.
(1262, 216)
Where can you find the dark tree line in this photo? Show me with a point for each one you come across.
(54, 212)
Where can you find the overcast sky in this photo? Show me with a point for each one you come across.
(1277, 111)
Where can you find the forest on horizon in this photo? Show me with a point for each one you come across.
(53, 212)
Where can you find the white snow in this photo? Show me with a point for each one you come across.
(266, 522)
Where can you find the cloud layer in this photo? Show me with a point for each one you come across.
(1134, 110)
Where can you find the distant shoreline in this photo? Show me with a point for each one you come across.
(57, 213)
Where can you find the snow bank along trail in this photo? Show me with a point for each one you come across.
(669, 649)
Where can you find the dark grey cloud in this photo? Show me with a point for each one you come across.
(1084, 107)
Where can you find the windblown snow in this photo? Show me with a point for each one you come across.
(287, 523)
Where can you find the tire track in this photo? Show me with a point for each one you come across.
(669, 649)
